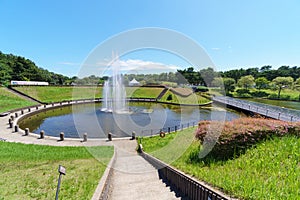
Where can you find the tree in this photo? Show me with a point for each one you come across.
(229, 84)
(252, 71)
(217, 82)
(187, 76)
(282, 82)
(246, 81)
(261, 83)
(265, 68)
(226, 84)
(208, 75)
(236, 74)
(297, 82)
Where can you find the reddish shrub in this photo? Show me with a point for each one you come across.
(238, 135)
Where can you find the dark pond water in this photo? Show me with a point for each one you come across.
(145, 119)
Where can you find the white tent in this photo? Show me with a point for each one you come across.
(134, 82)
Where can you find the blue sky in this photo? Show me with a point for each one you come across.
(59, 35)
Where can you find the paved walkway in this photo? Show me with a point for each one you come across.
(134, 178)
(8, 134)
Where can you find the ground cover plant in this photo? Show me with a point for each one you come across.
(268, 169)
(10, 101)
(30, 171)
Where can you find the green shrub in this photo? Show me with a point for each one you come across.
(243, 91)
(273, 96)
(240, 134)
(259, 94)
(285, 97)
(170, 97)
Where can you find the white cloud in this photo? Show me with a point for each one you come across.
(129, 66)
(216, 48)
(139, 65)
(69, 63)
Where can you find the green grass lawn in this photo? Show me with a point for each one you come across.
(271, 170)
(10, 101)
(30, 171)
(56, 94)
(294, 94)
(143, 92)
(192, 99)
(286, 94)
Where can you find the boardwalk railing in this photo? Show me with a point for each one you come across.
(270, 111)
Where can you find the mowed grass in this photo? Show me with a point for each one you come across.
(10, 101)
(30, 171)
(143, 92)
(50, 94)
(271, 170)
(191, 99)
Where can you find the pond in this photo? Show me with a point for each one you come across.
(144, 119)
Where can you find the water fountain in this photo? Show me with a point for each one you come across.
(114, 93)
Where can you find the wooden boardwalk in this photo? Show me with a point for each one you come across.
(266, 110)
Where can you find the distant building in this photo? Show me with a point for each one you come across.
(134, 82)
(28, 83)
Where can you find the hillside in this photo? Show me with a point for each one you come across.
(18, 68)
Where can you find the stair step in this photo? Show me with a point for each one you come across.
(134, 178)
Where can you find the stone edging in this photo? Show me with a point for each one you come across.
(41, 108)
(102, 190)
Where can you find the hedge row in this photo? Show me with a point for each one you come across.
(238, 135)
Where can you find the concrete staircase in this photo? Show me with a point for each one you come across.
(162, 93)
(134, 178)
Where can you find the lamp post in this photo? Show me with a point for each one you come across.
(62, 171)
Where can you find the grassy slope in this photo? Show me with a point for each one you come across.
(143, 92)
(30, 171)
(9, 101)
(192, 99)
(269, 171)
(55, 94)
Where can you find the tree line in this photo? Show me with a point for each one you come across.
(21, 69)
(14, 67)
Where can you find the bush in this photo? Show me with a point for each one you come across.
(259, 94)
(240, 134)
(285, 97)
(273, 96)
(243, 93)
(169, 98)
